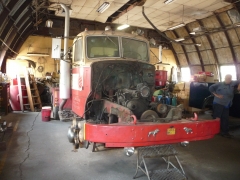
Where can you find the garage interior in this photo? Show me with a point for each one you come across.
(192, 45)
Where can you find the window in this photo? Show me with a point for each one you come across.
(78, 50)
(102, 46)
(228, 69)
(185, 74)
(135, 49)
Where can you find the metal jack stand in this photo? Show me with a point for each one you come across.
(164, 152)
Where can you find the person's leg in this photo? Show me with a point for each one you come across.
(217, 110)
(224, 121)
(217, 113)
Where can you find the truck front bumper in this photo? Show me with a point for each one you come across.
(148, 134)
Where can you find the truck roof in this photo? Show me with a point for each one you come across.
(112, 33)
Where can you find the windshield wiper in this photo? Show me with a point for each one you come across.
(111, 40)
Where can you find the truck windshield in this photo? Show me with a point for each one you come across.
(102, 46)
(135, 49)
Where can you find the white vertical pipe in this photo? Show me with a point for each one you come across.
(64, 66)
(160, 53)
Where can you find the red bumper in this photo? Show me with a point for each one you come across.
(147, 134)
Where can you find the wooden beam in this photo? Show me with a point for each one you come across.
(184, 50)
(197, 48)
(229, 43)
(212, 47)
(174, 54)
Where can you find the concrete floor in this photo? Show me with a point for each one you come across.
(40, 151)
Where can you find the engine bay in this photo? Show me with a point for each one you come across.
(123, 89)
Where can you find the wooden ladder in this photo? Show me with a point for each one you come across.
(32, 91)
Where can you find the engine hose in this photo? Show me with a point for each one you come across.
(161, 33)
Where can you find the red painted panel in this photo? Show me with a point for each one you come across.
(81, 87)
(15, 82)
(126, 135)
(14, 97)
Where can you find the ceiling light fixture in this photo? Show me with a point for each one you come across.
(103, 7)
(196, 33)
(177, 26)
(168, 1)
(124, 26)
(198, 45)
(198, 30)
(49, 23)
(179, 39)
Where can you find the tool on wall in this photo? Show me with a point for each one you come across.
(41, 61)
(40, 69)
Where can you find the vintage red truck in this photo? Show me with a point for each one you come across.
(112, 88)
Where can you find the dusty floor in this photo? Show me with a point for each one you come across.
(39, 150)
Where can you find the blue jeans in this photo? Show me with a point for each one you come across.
(220, 111)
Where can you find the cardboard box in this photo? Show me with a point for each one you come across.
(210, 79)
(199, 77)
(207, 73)
(179, 86)
(187, 86)
(183, 98)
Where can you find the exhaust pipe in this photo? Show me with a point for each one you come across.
(64, 86)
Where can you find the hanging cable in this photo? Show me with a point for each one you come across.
(162, 34)
(8, 47)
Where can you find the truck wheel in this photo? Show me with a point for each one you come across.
(55, 113)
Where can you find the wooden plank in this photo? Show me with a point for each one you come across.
(30, 100)
(20, 92)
